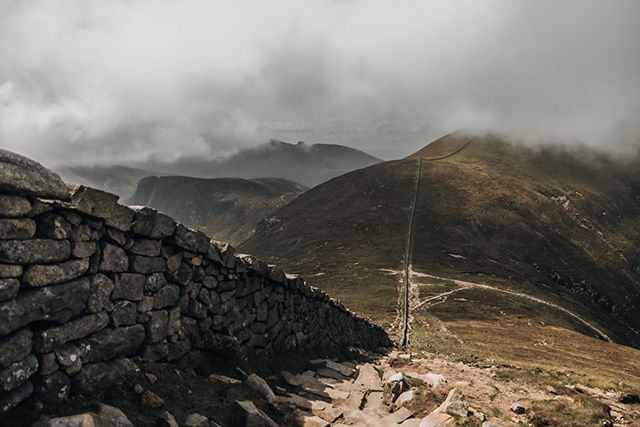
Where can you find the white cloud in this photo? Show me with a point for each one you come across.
(108, 81)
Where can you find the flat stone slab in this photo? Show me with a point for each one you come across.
(19, 175)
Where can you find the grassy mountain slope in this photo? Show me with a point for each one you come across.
(509, 243)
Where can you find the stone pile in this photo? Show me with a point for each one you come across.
(86, 284)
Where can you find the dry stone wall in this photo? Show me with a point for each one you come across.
(86, 284)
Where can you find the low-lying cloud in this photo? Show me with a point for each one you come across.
(123, 81)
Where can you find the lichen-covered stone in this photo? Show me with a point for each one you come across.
(45, 341)
(129, 286)
(53, 390)
(113, 259)
(20, 175)
(157, 326)
(17, 228)
(125, 313)
(9, 288)
(59, 304)
(145, 247)
(110, 343)
(12, 399)
(14, 206)
(151, 223)
(17, 373)
(154, 282)
(147, 265)
(166, 297)
(42, 275)
(15, 347)
(93, 202)
(191, 240)
(101, 288)
(34, 251)
(10, 271)
(83, 249)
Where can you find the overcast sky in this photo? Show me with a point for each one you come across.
(85, 81)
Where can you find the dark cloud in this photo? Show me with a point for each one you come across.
(95, 81)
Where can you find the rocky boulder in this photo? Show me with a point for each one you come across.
(20, 175)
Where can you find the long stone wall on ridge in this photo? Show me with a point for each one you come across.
(86, 283)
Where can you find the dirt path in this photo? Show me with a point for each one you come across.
(407, 290)
(462, 285)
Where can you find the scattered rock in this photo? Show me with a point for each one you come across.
(368, 377)
(435, 380)
(405, 397)
(196, 420)
(151, 399)
(455, 404)
(224, 379)
(166, 419)
(438, 419)
(246, 414)
(109, 416)
(80, 420)
(518, 409)
(260, 385)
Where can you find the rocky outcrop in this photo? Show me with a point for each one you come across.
(86, 283)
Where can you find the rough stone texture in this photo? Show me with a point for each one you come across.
(83, 249)
(10, 270)
(129, 286)
(145, 288)
(17, 373)
(34, 251)
(113, 259)
(14, 206)
(166, 296)
(12, 399)
(100, 292)
(147, 265)
(48, 339)
(24, 176)
(112, 343)
(9, 288)
(56, 304)
(54, 226)
(15, 347)
(145, 247)
(151, 223)
(17, 228)
(42, 275)
(191, 240)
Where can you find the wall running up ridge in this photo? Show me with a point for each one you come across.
(85, 284)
